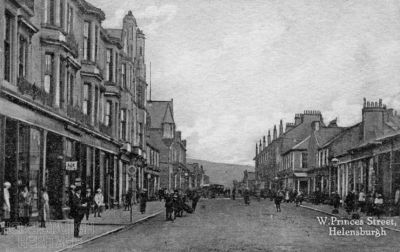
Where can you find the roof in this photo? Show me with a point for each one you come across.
(91, 9)
(346, 140)
(160, 112)
(325, 134)
(115, 33)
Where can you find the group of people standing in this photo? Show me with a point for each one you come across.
(176, 203)
(370, 203)
(25, 207)
(81, 205)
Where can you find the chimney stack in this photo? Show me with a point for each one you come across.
(275, 133)
(281, 128)
(260, 148)
(297, 119)
(263, 142)
(269, 137)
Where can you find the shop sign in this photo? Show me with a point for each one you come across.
(71, 165)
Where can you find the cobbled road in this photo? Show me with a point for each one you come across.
(227, 225)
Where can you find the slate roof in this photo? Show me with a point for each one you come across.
(347, 139)
(160, 111)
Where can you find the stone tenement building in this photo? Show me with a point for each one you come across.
(73, 99)
(326, 158)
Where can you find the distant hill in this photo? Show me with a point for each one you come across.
(221, 173)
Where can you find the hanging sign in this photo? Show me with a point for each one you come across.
(131, 170)
(71, 165)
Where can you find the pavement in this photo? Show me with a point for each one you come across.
(327, 209)
(58, 234)
(227, 225)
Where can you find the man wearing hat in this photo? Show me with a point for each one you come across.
(99, 202)
(77, 210)
(89, 201)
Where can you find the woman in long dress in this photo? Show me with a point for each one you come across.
(6, 206)
(45, 208)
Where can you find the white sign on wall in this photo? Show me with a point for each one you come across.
(71, 165)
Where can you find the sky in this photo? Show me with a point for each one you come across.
(236, 67)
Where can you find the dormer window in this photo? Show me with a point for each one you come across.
(168, 130)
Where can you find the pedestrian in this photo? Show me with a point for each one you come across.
(168, 207)
(378, 204)
(6, 207)
(287, 198)
(299, 198)
(369, 204)
(246, 196)
(175, 205)
(349, 201)
(44, 208)
(361, 201)
(78, 209)
(24, 206)
(71, 192)
(98, 202)
(143, 201)
(397, 201)
(195, 199)
(128, 200)
(335, 202)
(89, 201)
(278, 199)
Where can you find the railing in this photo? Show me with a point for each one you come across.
(105, 129)
(75, 113)
(37, 93)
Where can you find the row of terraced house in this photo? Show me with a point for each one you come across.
(311, 155)
(74, 109)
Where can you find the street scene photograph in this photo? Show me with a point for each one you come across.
(199, 125)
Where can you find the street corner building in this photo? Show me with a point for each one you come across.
(311, 156)
(73, 98)
(174, 170)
